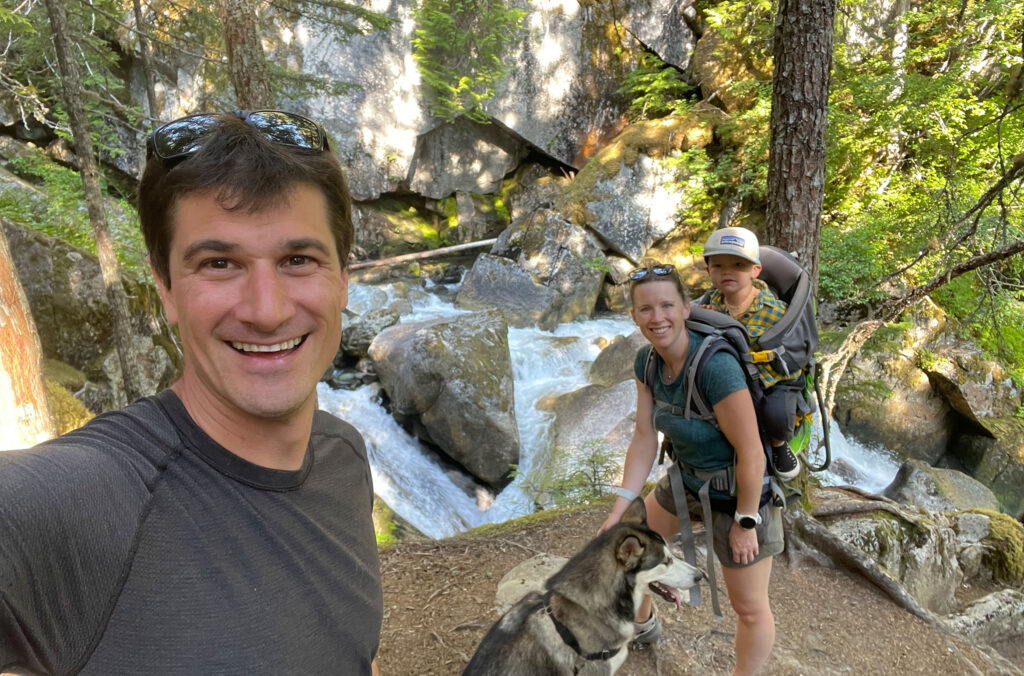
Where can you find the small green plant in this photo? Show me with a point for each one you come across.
(599, 263)
(573, 476)
(655, 88)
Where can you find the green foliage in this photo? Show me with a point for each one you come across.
(599, 263)
(573, 477)
(918, 132)
(460, 47)
(655, 89)
(61, 213)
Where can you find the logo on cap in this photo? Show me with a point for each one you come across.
(732, 240)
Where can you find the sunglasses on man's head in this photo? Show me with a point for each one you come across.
(184, 136)
(658, 270)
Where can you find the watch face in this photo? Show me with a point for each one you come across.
(747, 522)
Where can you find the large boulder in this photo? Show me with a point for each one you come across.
(464, 156)
(728, 70)
(530, 189)
(450, 379)
(663, 26)
(626, 193)
(614, 363)
(997, 462)
(886, 398)
(593, 413)
(919, 552)
(359, 332)
(994, 618)
(940, 490)
(542, 271)
(389, 227)
(65, 290)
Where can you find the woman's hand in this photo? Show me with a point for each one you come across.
(618, 509)
(743, 542)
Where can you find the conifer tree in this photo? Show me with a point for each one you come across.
(73, 98)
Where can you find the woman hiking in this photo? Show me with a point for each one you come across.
(746, 527)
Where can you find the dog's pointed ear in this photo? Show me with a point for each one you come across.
(629, 551)
(636, 513)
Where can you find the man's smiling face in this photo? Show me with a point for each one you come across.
(257, 298)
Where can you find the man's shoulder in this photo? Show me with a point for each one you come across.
(130, 443)
(330, 429)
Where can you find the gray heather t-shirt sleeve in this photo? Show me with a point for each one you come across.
(66, 527)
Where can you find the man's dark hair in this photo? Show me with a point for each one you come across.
(247, 173)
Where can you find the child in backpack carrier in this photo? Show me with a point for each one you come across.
(732, 257)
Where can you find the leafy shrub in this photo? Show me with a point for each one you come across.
(655, 89)
(61, 212)
(460, 48)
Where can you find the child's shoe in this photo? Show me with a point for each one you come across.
(785, 464)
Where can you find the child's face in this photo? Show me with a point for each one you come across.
(732, 275)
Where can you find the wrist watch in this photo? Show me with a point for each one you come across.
(747, 521)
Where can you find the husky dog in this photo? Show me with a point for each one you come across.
(585, 618)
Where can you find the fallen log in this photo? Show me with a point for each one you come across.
(419, 255)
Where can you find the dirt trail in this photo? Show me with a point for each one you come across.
(439, 599)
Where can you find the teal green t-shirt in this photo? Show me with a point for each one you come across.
(695, 442)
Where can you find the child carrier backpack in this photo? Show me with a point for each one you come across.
(789, 345)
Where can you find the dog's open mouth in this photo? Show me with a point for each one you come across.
(670, 594)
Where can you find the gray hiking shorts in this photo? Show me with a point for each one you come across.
(770, 540)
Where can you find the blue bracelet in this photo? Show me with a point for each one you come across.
(623, 492)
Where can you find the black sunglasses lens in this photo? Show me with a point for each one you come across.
(658, 270)
(288, 129)
(182, 137)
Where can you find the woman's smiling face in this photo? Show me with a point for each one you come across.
(660, 312)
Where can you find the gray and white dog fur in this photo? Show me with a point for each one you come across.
(595, 596)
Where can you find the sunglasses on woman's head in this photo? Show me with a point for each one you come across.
(658, 270)
(184, 136)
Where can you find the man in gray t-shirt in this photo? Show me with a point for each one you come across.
(222, 526)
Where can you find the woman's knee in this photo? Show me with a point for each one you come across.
(748, 590)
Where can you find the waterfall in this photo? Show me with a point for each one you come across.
(433, 497)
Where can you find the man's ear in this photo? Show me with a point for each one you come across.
(344, 288)
(755, 270)
(163, 288)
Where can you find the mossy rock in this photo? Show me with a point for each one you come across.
(63, 374)
(67, 412)
(390, 528)
(657, 139)
(494, 530)
(1005, 547)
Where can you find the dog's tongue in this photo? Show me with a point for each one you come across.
(670, 594)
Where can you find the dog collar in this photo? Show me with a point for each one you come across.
(570, 639)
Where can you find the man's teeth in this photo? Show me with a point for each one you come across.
(250, 347)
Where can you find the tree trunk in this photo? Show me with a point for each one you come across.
(24, 413)
(147, 64)
(73, 97)
(246, 61)
(796, 162)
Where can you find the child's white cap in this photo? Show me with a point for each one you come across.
(734, 242)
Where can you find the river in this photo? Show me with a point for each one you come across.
(436, 499)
